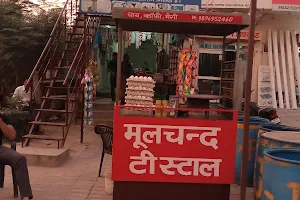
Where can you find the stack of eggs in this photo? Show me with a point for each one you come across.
(139, 92)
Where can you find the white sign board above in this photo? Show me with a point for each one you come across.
(104, 6)
(261, 4)
(286, 5)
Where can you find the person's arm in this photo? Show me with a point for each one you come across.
(109, 69)
(131, 69)
(109, 66)
(7, 129)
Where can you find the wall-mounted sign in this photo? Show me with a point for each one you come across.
(245, 35)
(183, 17)
(265, 4)
(286, 5)
(105, 6)
(264, 87)
(150, 149)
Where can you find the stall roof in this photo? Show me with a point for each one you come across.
(180, 22)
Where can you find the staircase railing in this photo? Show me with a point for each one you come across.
(78, 66)
(55, 50)
(57, 39)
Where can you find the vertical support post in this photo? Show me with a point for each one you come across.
(222, 64)
(82, 116)
(67, 106)
(71, 17)
(31, 90)
(84, 28)
(253, 8)
(65, 25)
(237, 76)
(119, 65)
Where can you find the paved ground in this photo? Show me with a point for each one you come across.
(77, 178)
(289, 117)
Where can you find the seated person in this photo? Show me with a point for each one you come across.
(23, 92)
(17, 161)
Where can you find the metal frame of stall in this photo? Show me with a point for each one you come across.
(179, 22)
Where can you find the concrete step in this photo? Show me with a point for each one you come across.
(44, 157)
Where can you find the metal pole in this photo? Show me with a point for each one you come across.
(119, 65)
(82, 115)
(247, 99)
(237, 75)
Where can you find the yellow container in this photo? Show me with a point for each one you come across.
(165, 105)
(157, 111)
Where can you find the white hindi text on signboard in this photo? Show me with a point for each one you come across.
(200, 166)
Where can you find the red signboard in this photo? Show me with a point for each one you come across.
(290, 2)
(149, 149)
(286, 5)
(184, 17)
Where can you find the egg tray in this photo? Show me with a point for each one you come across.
(138, 102)
(138, 98)
(140, 79)
(141, 93)
(140, 84)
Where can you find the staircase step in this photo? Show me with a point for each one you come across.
(43, 137)
(65, 67)
(74, 41)
(48, 123)
(78, 34)
(57, 79)
(72, 50)
(53, 110)
(49, 80)
(57, 98)
(65, 58)
(82, 26)
(59, 87)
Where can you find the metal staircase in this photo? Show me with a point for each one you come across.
(57, 74)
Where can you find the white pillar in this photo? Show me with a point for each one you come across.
(296, 60)
(278, 74)
(283, 65)
(272, 75)
(291, 69)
